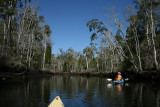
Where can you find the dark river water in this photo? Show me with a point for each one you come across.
(76, 91)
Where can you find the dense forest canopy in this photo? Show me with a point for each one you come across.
(24, 38)
(25, 41)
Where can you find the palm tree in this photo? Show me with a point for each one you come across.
(89, 53)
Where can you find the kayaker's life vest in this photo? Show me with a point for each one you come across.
(119, 78)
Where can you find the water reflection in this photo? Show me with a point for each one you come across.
(77, 92)
(119, 88)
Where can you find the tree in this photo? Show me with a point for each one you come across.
(134, 23)
(149, 11)
(88, 54)
(48, 54)
(22, 36)
(81, 62)
(47, 32)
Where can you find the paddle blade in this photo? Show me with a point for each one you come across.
(108, 79)
(126, 79)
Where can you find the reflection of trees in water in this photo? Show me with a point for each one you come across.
(142, 95)
(73, 85)
(25, 93)
(37, 92)
(92, 91)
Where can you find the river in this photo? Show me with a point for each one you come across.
(76, 91)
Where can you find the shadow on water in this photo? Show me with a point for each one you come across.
(78, 92)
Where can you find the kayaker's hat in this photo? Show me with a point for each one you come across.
(119, 73)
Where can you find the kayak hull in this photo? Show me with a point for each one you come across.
(118, 82)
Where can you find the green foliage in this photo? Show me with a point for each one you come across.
(118, 36)
(8, 7)
(47, 30)
(41, 19)
(97, 26)
(117, 52)
(21, 34)
(126, 66)
(88, 51)
(81, 62)
(3, 61)
(36, 62)
(25, 39)
(94, 36)
(65, 67)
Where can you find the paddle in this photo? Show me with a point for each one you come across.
(126, 79)
(109, 79)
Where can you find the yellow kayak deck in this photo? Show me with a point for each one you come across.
(57, 102)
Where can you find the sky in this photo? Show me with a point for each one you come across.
(68, 19)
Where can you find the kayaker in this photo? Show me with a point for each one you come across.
(118, 77)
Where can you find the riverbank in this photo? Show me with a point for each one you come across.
(139, 76)
(133, 76)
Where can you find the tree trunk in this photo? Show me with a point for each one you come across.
(119, 27)
(153, 41)
(87, 62)
(138, 49)
(97, 66)
(4, 38)
(137, 44)
(30, 52)
(28, 49)
(44, 54)
(147, 34)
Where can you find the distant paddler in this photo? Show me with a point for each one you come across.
(119, 77)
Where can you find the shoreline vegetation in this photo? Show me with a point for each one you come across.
(26, 44)
(132, 76)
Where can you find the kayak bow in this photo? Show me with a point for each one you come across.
(57, 102)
